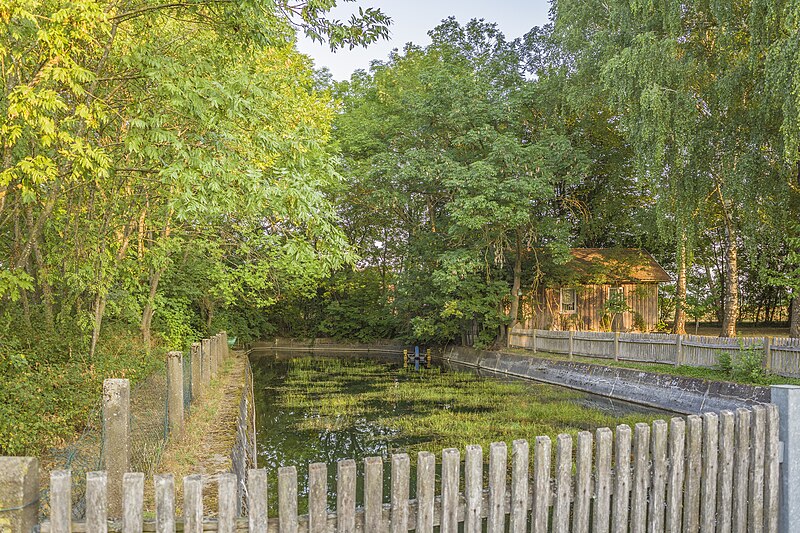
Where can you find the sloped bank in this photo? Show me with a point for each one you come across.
(674, 393)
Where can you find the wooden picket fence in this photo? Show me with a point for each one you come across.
(781, 354)
(715, 472)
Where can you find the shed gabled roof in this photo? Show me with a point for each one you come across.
(615, 264)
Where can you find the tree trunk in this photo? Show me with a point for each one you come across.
(794, 319)
(99, 311)
(515, 288)
(679, 326)
(731, 310)
(148, 311)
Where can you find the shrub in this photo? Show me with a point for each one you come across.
(747, 365)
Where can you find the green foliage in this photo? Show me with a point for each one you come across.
(44, 401)
(746, 365)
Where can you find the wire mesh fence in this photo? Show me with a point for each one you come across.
(149, 422)
(148, 435)
(83, 455)
(187, 382)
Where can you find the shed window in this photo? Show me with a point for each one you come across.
(567, 300)
(616, 292)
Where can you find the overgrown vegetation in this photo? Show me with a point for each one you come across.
(428, 409)
(746, 365)
(46, 398)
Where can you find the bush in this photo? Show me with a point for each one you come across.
(746, 366)
(46, 396)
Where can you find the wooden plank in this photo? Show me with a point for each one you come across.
(451, 462)
(622, 479)
(193, 504)
(373, 494)
(401, 472)
(755, 515)
(655, 522)
(581, 509)
(541, 484)
(677, 437)
(257, 499)
(426, 491)
(708, 491)
(227, 500)
(317, 498)
(725, 464)
(694, 468)
(165, 503)
(132, 502)
(520, 458)
(61, 501)
(473, 488)
(563, 483)
(602, 501)
(287, 499)
(96, 502)
(346, 496)
(498, 458)
(641, 478)
(771, 469)
(741, 467)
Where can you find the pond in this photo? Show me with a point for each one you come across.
(327, 407)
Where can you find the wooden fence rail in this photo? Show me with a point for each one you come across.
(716, 472)
(781, 355)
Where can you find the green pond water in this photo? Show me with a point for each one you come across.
(327, 407)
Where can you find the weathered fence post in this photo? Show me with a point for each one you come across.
(534, 340)
(196, 370)
(616, 346)
(214, 356)
(175, 376)
(19, 494)
(787, 398)
(571, 342)
(116, 439)
(205, 346)
(768, 353)
(679, 350)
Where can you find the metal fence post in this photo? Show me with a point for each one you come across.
(196, 370)
(787, 398)
(19, 494)
(534, 340)
(679, 350)
(116, 439)
(616, 346)
(175, 392)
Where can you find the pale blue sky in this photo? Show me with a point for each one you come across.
(413, 18)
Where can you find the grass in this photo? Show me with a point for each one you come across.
(712, 374)
(432, 409)
(209, 433)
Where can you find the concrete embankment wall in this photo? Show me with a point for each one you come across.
(674, 393)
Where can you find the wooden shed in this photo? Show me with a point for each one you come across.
(598, 289)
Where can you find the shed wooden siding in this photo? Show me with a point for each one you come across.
(543, 310)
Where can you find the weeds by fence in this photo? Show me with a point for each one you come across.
(148, 422)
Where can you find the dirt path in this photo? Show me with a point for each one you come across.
(208, 437)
